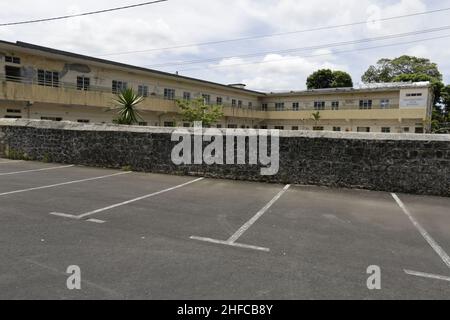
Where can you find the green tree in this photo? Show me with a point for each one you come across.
(326, 78)
(197, 110)
(316, 116)
(387, 69)
(412, 69)
(445, 99)
(341, 80)
(126, 102)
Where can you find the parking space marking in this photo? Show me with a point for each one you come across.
(87, 214)
(35, 170)
(63, 184)
(427, 275)
(235, 237)
(436, 247)
(96, 221)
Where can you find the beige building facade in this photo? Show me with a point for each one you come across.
(48, 84)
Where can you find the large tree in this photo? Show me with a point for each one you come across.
(411, 69)
(387, 69)
(326, 78)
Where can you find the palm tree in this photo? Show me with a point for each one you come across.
(316, 117)
(126, 102)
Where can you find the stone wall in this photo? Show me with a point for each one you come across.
(408, 163)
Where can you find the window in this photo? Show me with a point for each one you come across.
(118, 86)
(12, 117)
(296, 106)
(279, 106)
(169, 94)
(295, 128)
(143, 91)
(13, 73)
(414, 94)
(386, 130)
(232, 126)
(48, 78)
(219, 126)
(169, 124)
(239, 103)
(13, 111)
(219, 101)
(279, 128)
(143, 124)
(83, 121)
(264, 127)
(206, 98)
(250, 105)
(363, 129)
(83, 83)
(51, 118)
(365, 104)
(264, 107)
(335, 105)
(385, 104)
(319, 105)
(233, 103)
(186, 96)
(420, 130)
(186, 125)
(318, 128)
(337, 129)
(406, 130)
(15, 60)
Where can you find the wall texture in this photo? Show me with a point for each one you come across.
(417, 164)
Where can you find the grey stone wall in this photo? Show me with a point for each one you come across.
(418, 164)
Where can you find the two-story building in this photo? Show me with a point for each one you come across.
(43, 83)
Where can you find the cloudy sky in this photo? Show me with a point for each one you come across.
(267, 64)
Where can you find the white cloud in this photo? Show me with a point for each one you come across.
(184, 22)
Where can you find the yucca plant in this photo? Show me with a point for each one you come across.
(126, 102)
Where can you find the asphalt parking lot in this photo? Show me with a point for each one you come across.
(149, 236)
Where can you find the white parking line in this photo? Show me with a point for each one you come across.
(235, 237)
(35, 170)
(427, 275)
(87, 214)
(436, 247)
(63, 184)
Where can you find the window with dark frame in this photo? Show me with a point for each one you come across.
(296, 106)
(118, 86)
(169, 94)
(83, 83)
(48, 78)
(319, 105)
(335, 105)
(186, 96)
(143, 91)
(365, 104)
(10, 59)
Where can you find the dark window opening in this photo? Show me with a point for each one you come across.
(12, 74)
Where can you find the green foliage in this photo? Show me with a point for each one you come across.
(127, 101)
(197, 110)
(316, 116)
(326, 78)
(387, 69)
